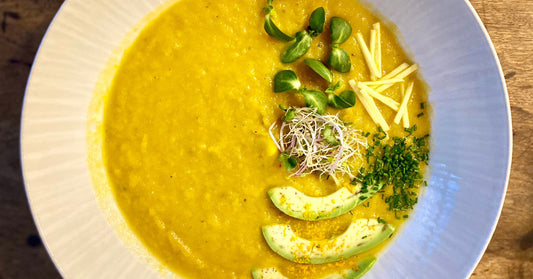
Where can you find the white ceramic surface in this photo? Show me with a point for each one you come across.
(470, 158)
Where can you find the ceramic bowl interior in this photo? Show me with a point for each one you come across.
(446, 235)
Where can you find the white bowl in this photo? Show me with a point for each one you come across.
(470, 156)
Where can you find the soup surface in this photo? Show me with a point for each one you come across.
(186, 142)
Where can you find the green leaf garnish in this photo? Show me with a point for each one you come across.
(395, 163)
(269, 8)
(289, 115)
(283, 157)
(320, 69)
(274, 31)
(332, 88)
(290, 163)
(411, 130)
(316, 22)
(329, 136)
(339, 60)
(286, 80)
(315, 99)
(345, 100)
(340, 30)
(298, 48)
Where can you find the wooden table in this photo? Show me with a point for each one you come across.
(509, 22)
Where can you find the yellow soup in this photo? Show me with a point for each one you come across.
(186, 142)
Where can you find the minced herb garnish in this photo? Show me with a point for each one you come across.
(396, 163)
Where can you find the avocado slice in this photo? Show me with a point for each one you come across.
(363, 267)
(361, 235)
(301, 206)
(267, 273)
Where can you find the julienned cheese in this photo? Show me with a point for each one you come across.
(403, 106)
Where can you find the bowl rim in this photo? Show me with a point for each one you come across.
(509, 133)
(61, 11)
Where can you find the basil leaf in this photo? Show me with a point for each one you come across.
(320, 69)
(339, 60)
(345, 100)
(329, 136)
(290, 163)
(315, 99)
(298, 48)
(316, 22)
(274, 31)
(286, 80)
(340, 30)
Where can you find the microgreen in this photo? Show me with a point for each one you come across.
(316, 22)
(339, 60)
(329, 135)
(286, 80)
(303, 139)
(274, 31)
(289, 163)
(340, 30)
(289, 115)
(270, 26)
(333, 87)
(315, 99)
(320, 69)
(298, 48)
(344, 100)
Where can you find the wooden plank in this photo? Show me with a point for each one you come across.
(510, 253)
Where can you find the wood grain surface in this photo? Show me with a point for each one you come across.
(509, 23)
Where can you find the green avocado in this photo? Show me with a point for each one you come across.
(300, 206)
(361, 235)
(362, 268)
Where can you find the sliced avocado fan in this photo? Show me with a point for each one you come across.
(361, 235)
(301, 206)
(363, 267)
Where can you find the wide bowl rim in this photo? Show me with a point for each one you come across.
(61, 11)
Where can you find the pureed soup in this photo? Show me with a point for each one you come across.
(220, 176)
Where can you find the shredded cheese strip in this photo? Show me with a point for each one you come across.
(405, 117)
(370, 106)
(377, 55)
(384, 99)
(403, 106)
(396, 71)
(382, 81)
(373, 52)
(402, 75)
(368, 57)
